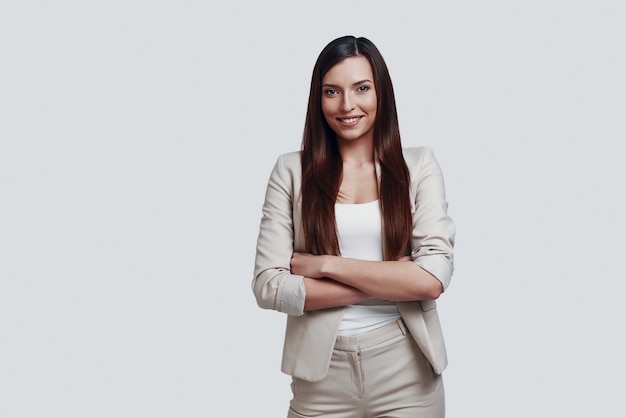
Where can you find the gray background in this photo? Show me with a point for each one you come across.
(136, 142)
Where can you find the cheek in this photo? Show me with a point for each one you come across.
(372, 104)
(327, 111)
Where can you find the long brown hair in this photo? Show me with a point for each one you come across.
(322, 164)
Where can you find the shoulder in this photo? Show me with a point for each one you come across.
(415, 156)
(287, 166)
(421, 162)
(289, 159)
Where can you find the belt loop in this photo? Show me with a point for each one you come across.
(402, 326)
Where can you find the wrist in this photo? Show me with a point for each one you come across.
(327, 266)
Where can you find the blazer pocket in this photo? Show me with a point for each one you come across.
(427, 305)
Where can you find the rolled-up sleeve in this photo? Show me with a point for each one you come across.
(432, 242)
(273, 284)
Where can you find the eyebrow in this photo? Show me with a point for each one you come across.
(354, 84)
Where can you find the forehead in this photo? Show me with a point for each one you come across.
(348, 71)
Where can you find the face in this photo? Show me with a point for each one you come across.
(349, 99)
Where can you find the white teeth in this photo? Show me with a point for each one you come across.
(351, 120)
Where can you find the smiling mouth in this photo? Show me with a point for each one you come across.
(350, 120)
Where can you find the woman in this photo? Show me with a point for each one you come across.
(355, 245)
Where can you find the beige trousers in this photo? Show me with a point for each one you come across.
(378, 374)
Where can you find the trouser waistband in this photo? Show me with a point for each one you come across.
(371, 338)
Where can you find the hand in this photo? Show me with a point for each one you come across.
(307, 265)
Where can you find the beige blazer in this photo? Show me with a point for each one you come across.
(310, 336)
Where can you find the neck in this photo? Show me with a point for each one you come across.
(356, 152)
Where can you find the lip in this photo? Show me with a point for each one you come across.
(349, 120)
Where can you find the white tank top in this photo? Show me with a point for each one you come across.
(359, 229)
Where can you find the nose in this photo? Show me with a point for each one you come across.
(347, 104)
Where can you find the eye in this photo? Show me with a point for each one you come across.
(330, 92)
(362, 89)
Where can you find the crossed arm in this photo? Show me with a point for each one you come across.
(337, 281)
